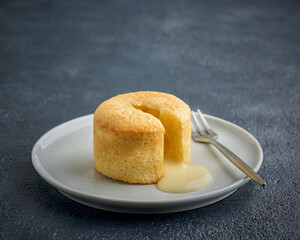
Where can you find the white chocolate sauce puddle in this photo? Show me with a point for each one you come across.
(182, 178)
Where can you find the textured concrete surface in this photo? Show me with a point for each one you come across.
(236, 60)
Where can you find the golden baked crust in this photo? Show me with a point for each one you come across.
(134, 131)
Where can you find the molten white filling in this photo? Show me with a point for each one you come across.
(182, 178)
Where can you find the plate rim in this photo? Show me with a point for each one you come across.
(69, 190)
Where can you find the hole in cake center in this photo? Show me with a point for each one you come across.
(156, 113)
(151, 111)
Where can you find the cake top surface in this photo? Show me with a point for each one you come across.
(140, 112)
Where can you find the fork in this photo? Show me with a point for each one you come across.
(206, 135)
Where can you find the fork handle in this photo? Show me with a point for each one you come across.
(238, 162)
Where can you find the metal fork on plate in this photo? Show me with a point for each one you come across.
(203, 133)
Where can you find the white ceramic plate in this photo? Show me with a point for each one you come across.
(64, 158)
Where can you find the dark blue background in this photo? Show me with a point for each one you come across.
(237, 60)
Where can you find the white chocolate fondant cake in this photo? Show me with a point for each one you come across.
(134, 132)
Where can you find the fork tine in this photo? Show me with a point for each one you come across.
(193, 127)
(204, 122)
(199, 128)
